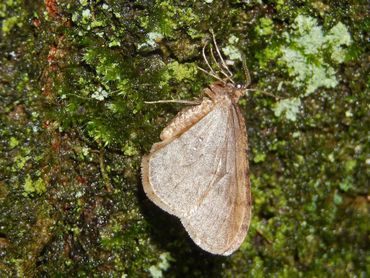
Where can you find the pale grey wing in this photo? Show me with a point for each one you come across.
(220, 222)
(178, 174)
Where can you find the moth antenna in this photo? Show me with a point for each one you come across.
(229, 77)
(219, 53)
(246, 71)
(206, 60)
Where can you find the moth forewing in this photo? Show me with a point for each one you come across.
(244, 204)
(199, 172)
(234, 224)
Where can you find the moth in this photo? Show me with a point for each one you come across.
(199, 170)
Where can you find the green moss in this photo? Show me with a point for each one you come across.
(21, 159)
(173, 16)
(338, 37)
(9, 23)
(265, 27)
(100, 132)
(75, 126)
(30, 186)
(13, 142)
(179, 71)
(259, 157)
(130, 150)
(11, 15)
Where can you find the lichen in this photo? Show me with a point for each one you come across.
(309, 55)
(156, 271)
(152, 39)
(231, 50)
(290, 107)
(306, 50)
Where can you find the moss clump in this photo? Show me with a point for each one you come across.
(30, 186)
(17, 18)
(265, 27)
(178, 72)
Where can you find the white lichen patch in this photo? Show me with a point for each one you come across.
(307, 50)
(100, 94)
(310, 56)
(156, 271)
(231, 51)
(290, 107)
(152, 40)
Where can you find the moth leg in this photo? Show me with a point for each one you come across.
(188, 102)
(211, 94)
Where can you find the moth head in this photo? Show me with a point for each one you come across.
(239, 90)
(240, 86)
(228, 88)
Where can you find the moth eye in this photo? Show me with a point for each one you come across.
(239, 86)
